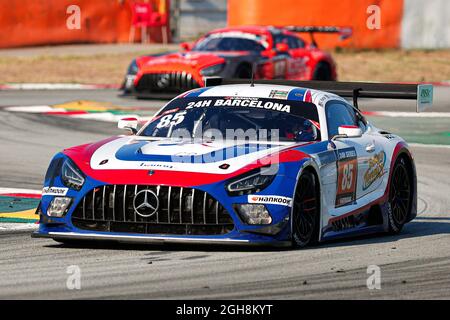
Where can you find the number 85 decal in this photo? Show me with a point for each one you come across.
(346, 184)
(171, 120)
(347, 177)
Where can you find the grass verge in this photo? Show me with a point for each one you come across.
(365, 65)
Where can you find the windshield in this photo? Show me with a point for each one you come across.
(231, 41)
(235, 118)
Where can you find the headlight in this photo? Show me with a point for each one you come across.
(133, 68)
(253, 213)
(212, 70)
(71, 176)
(252, 182)
(59, 206)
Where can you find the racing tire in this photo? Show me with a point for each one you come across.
(306, 211)
(400, 196)
(243, 72)
(322, 72)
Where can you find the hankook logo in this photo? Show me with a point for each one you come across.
(145, 203)
(163, 80)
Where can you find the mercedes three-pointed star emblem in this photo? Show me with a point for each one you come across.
(145, 203)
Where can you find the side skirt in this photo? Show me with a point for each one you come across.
(369, 221)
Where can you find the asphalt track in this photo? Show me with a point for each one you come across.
(414, 264)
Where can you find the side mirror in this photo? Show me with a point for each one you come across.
(282, 47)
(350, 131)
(185, 46)
(128, 124)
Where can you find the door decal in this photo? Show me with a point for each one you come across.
(375, 170)
(347, 169)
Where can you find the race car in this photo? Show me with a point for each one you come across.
(234, 52)
(250, 164)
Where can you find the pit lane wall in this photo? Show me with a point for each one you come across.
(426, 24)
(376, 23)
(45, 22)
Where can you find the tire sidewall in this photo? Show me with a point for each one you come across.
(394, 226)
(322, 72)
(295, 239)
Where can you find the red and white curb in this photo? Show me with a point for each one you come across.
(20, 193)
(56, 86)
(26, 193)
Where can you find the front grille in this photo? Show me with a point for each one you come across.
(181, 211)
(179, 81)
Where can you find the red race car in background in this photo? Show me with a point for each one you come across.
(272, 52)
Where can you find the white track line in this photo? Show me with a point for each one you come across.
(55, 86)
(423, 145)
(18, 190)
(395, 114)
(31, 109)
(18, 227)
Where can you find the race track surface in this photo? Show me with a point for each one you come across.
(414, 264)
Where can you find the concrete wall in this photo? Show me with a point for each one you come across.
(196, 17)
(426, 24)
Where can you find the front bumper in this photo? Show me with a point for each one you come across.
(160, 84)
(62, 228)
(151, 239)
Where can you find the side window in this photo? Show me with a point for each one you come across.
(295, 43)
(338, 114)
(280, 38)
(362, 122)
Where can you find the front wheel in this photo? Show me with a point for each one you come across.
(306, 211)
(400, 195)
(322, 72)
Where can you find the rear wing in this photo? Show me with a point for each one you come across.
(344, 32)
(422, 93)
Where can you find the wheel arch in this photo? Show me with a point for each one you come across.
(402, 151)
(311, 166)
(243, 64)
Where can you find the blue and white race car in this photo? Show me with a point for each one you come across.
(238, 164)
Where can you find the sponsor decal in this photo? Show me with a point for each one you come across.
(224, 166)
(155, 165)
(54, 191)
(390, 136)
(327, 157)
(240, 102)
(376, 168)
(278, 94)
(347, 167)
(322, 100)
(424, 96)
(283, 201)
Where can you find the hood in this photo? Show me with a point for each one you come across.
(192, 60)
(140, 160)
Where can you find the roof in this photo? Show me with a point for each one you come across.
(317, 97)
(250, 29)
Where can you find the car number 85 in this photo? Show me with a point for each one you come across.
(171, 120)
(347, 176)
